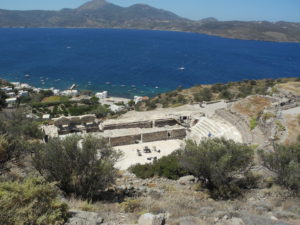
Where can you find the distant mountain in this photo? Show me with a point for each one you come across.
(102, 14)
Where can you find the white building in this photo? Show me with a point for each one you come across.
(70, 93)
(137, 99)
(37, 90)
(16, 84)
(102, 95)
(23, 93)
(7, 89)
(56, 91)
(11, 101)
(20, 86)
(116, 108)
(46, 117)
(11, 94)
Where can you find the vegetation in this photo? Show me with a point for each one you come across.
(32, 201)
(55, 99)
(204, 95)
(280, 126)
(167, 166)
(2, 100)
(217, 162)
(84, 170)
(253, 123)
(285, 162)
(214, 92)
(131, 205)
(15, 132)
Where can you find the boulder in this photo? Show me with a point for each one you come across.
(84, 218)
(187, 180)
(150, 219)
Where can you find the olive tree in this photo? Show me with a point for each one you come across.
(81, 167)
(217, 162)
(285, 162)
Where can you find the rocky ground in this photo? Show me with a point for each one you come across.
(184, 202)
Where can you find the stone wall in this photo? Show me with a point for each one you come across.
(140, 124)
(165, 122)
(125, 140)
(177, 134)
(155, 136)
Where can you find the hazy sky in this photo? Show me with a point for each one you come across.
(273, 10)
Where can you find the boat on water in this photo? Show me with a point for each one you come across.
(27, 75)
(181, 68)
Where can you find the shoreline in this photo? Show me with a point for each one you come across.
(161, 30)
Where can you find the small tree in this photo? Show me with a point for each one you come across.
(285, 162)
(32, 201)
(217, 162)
(84, 168)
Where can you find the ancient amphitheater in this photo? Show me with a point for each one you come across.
(189, 121)
(161, 130)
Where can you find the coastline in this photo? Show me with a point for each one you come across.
(161, 30)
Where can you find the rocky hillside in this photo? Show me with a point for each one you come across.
(102, 14)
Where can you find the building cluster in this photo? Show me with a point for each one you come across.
(19, 89)
(15, 92)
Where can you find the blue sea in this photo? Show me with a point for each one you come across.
(138, 62)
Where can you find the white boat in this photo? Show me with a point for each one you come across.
(181, 68)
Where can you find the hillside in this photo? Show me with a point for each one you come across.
(206, 180)
(102, 14)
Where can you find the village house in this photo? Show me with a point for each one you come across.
(101, 95)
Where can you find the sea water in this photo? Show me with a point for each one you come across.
(138, 62)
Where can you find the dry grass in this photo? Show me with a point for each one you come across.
(252, 106)
(52, 99)
(293, 87)
(293, 127)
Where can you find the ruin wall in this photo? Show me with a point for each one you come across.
(165, 122)
(125, 140)
(155, 136)
(140, 124)
(177, 134)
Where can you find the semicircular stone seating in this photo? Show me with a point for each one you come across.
(214, 128)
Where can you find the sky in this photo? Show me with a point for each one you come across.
(271, 10)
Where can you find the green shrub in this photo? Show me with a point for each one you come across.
(2, 100)
(218, 87)
(216, 162)
(3, 147)
(280, 126)
(204, 95)
(167, 166)
(253, 123)
(84, 170)
(33, 202)
(285, 162)
(226, 94)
